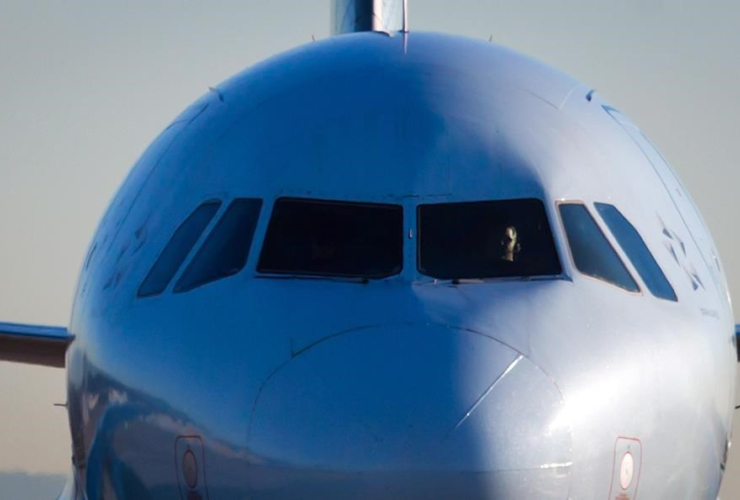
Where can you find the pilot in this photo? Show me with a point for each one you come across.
(510, 244)
(323, 248)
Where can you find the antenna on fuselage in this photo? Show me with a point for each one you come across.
(352, 16)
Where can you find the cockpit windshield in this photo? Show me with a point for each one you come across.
(491, 239)
(333, 238)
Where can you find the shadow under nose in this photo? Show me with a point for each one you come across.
(414, 411)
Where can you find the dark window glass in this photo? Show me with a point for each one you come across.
(325, 238)
(226, 249)
(592, 253)
(492, 239)
(637, 252)
(179, 246)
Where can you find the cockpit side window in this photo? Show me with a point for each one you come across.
(177, 249)
(592, 253)
(637, 252)
(334, 239)
(225, 251)
(488, 239)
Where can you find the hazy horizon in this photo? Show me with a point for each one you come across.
(87, 85)
(20, 485)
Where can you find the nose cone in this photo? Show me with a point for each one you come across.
(409, 412)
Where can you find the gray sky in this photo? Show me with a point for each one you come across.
(86, 85)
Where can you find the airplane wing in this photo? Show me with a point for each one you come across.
(33, 344)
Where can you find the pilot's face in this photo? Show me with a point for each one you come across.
(509, 239)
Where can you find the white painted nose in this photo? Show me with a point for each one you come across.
(414, 411)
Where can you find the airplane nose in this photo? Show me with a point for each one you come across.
(409, 412)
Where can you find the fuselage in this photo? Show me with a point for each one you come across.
(279, 385)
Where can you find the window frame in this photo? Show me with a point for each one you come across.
(415, 243)
(627, 257)
(219, 202)
(616, 248)
(226, 204)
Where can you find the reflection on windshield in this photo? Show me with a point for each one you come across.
(492, 239)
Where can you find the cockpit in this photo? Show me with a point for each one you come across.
(339, 239)
(457, 242)
(486, 240)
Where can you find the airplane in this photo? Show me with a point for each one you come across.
(397, 265)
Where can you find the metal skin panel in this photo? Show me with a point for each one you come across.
(405, 387)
